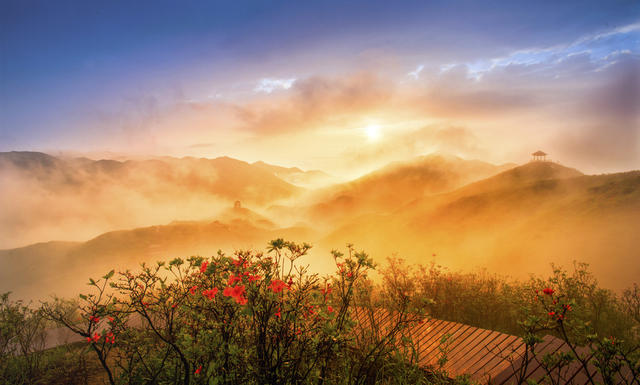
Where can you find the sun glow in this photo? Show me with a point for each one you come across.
(373, 132)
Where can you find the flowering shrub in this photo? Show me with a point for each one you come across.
(565, 306)
(261, 318)
(245, 318)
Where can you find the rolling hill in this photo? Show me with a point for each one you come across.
(462, 214)
(63, 268)
(516, 223)
(46, 197)
(398, 184)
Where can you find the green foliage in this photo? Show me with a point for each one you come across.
(249, 318)
(258, 318)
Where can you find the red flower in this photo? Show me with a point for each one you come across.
(277, 285)
(254, 278)
(96, 337)
(237, 292)
(199, 369)
(326, 291)
(552, 313)
(193, 290)
(228, 291)
(211, 293)
(548, 291)
(330, 309)
(240, 262)
(233, 279)
(204, 266)
(567, 307)
(278, 314)
(111, 319)
(88, 339)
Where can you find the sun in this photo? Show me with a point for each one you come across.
(373, 132)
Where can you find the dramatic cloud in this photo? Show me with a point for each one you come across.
(315, 102)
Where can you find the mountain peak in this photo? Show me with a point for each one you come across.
(538, 170)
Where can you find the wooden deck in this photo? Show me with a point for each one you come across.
(488, 357)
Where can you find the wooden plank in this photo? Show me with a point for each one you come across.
(434, 341)
(508, 374)
(509, 356)
(495, 355)
(429, 337)
(450, 327)
(537, 371)
(485, 355)
(460, 344)
(579, 374)
(461, 358)
(425, 333)
(478, 351)
(417, 330)
(431, 354)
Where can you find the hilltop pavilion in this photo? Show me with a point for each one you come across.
(539, 156)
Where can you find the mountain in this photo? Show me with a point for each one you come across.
(397, 184)
(462, 214)
(63, 268)
(47, 197)
(223, 177)
(298, 177)
(516, 223)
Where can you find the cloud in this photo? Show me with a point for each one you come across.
(567, 99)
(596, 47)
(314, 102)
(268, 85)
(416, 73)
(435, 138)
(603, 126)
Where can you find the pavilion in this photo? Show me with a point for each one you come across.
(539, 156)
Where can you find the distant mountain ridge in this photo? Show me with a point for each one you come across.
(38, 270)
(82, 197)
(462, 213)
(298, 177)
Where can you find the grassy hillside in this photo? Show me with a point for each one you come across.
(35, 272)
(398, 184)
(516, 223)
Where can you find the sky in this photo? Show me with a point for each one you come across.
(343, 86)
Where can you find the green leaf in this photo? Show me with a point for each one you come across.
(108, 275)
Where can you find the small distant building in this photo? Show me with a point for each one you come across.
(237, 205)
(539, 156)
